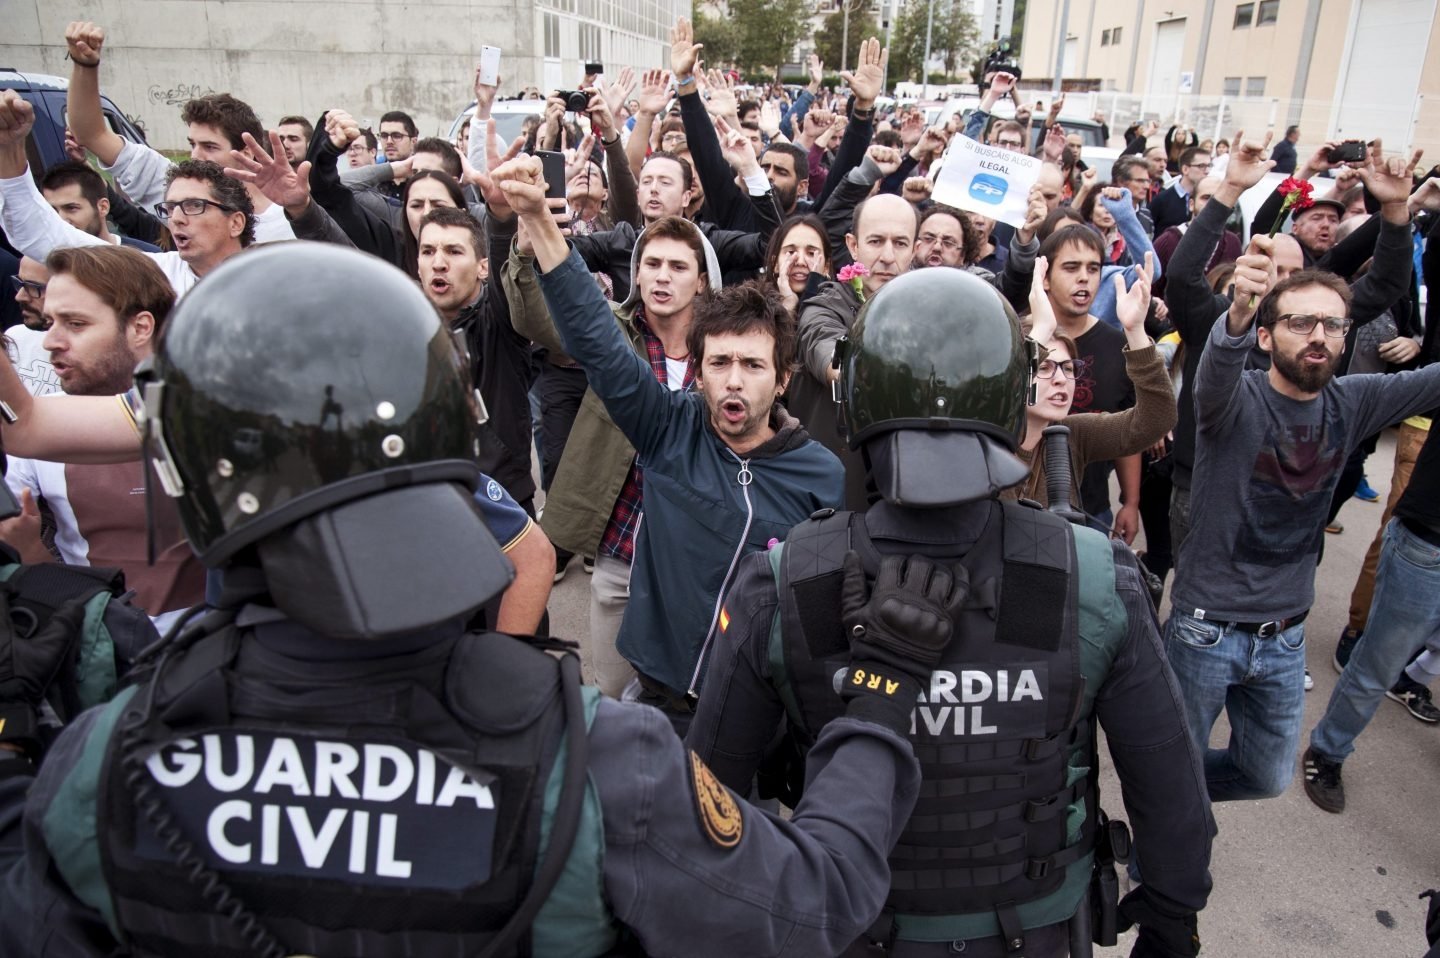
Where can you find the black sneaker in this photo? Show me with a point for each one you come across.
(1322, 782)
(1416, 698)
(1346, 647)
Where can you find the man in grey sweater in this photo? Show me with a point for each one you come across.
(1269, 448)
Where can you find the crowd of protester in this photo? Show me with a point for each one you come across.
(1230, 389)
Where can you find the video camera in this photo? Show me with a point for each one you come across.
(1001, 60)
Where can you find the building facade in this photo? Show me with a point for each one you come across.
(1357, 69)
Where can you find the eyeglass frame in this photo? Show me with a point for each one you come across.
(29, 286)
(1077, 369)
(167, 207)
(947, 242)
(393, 135)
(1289, 318)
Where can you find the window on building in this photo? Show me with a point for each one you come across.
(552, 35)
(590, 43)
(1269, 12)
(1115, 36)
(1105, 38)
(1244, 15)
(1254, 86)
(1232, 86)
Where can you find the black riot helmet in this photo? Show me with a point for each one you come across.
(308, 401)
(934, 382)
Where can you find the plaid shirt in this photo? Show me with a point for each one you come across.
(619, 538)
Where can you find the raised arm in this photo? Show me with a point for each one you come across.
(1217, 381)
(33, 227)
(83, 113)
(654, 94)
(641, 406)
(1388, 180)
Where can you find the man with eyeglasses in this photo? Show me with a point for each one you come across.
(1269, 449)
(209, 214)
(215, 125)
(1133, 173)
(31, 358)
(1171, 206)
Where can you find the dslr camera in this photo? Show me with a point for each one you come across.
(575, 100)
(1001, 60)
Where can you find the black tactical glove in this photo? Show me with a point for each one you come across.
(27, 667)
(1166, 929)
(898, 631)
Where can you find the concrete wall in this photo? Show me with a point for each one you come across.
(302, 56)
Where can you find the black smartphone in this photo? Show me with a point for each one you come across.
(1351, 151)
(594, 69)
(553, 167)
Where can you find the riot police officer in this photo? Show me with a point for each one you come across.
(1056, 634)
(327, 763)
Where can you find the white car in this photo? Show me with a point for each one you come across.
(509, 116)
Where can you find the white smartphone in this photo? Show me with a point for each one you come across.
(490, 65)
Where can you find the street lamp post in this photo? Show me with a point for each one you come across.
(925, 63)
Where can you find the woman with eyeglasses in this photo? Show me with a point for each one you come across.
(1094, 437)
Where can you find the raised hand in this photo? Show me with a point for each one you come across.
(916, 189)
(341, 128)
(654, 92)
(886, 157)
(1056, 105)
(1042, 314)
(1389, 180)
(1319, 161)
(684, 51)
(619, 91)
(1035, 212)
(522, 180)
(912, 128)
(1054, 146)
(1247, 165)
(270, 174)
(736, 146)
(602, 118)
(83, 41)
(770, 119)
(722, 100)
(1255, 274)
(73, 149)
(485, 95)
(817, 72)
(1132, 305)
(17, 118)
(576, 159)
(869, 74)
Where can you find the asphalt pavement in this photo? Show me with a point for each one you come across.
(1292, 881)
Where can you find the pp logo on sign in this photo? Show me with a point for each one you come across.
(988, 189)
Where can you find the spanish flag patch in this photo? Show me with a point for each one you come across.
(724, 619)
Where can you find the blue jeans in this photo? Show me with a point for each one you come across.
(1259, 682)
(1404, 615)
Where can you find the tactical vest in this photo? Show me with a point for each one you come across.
(404, 815)
(1002, 835)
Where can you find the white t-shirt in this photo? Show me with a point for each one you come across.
(32, 361)
(675, 373)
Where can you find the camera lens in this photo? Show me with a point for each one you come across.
(577, 102)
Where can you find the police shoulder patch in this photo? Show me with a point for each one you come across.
(493, 490)
(719, 813)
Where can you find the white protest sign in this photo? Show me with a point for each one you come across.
(989, 180)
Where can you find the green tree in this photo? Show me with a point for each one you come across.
(954, 38)
(830, 37)
(767, 30)
(720, 36)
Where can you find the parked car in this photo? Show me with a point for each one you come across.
(46, 144)
(509, 116)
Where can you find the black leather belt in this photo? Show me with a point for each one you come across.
(1267, 629)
